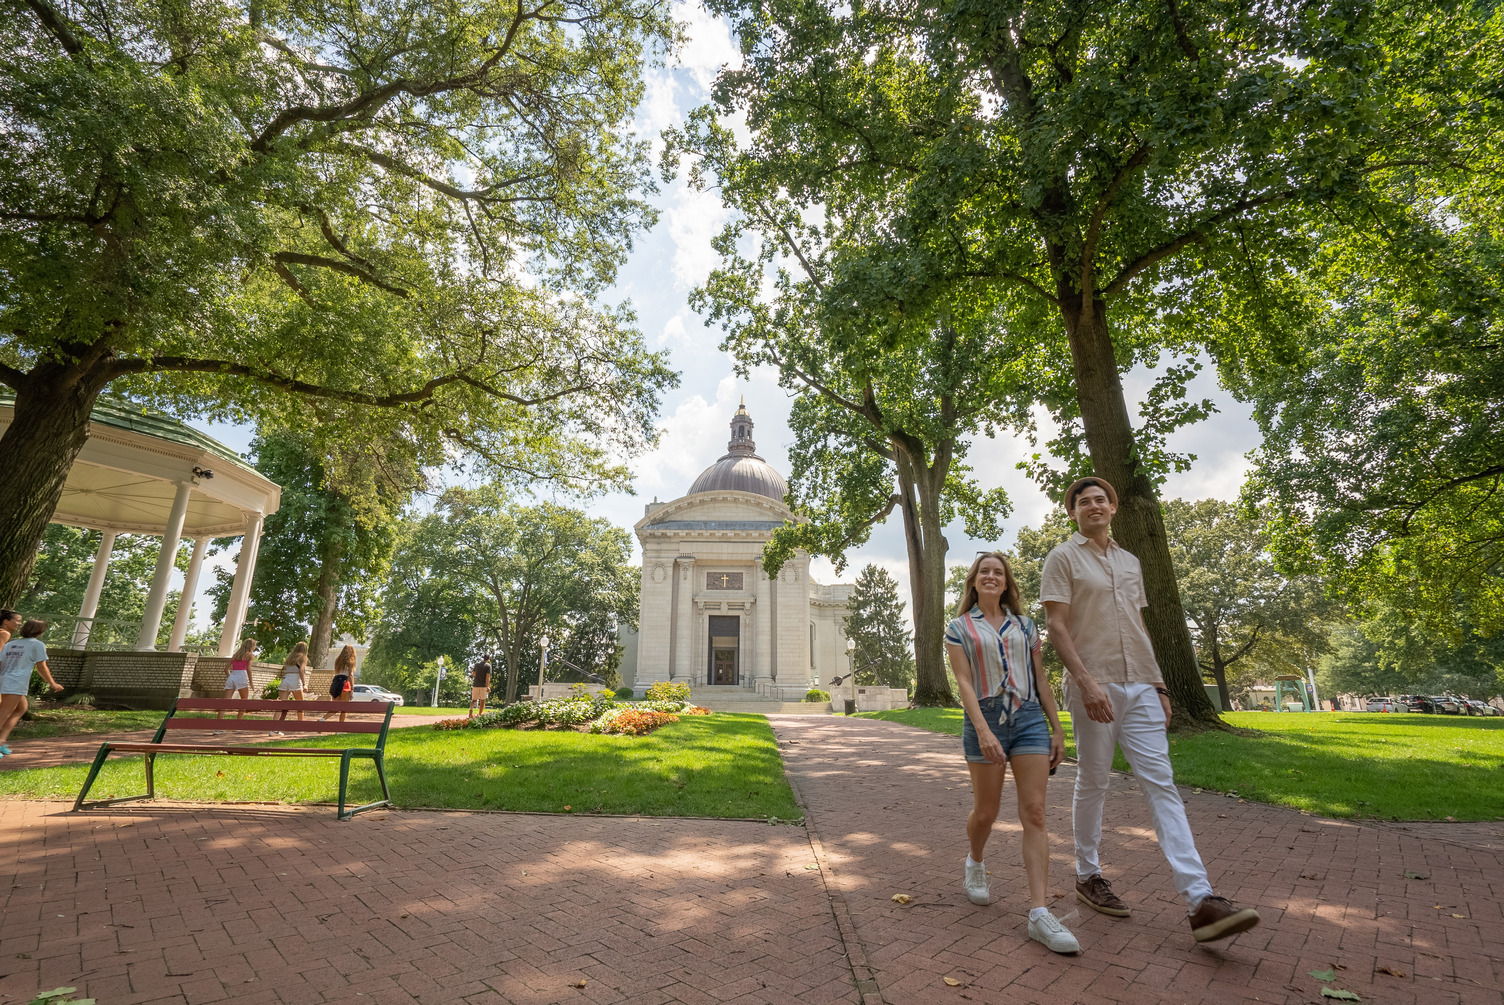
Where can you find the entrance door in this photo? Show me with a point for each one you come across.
(725, 649)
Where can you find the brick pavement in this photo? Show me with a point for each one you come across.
(165, 902)
(887, 806)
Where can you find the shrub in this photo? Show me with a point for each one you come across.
(668, 690)
(515, 714)
(489, 720)
(667, 707)
(624, 693)
(269, 693)
(815, 694)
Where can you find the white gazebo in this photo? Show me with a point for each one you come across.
(141, 472)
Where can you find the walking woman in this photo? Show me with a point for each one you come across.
(294, 676)
(342, 687)
(1011, 720)
(238, 680)
(17, 660)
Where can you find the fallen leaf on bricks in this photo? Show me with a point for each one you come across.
(952, 982)
(579, 983)
(1459, 916)
(1310, 875)
(1329, 974)
(813, 865)
(901, 898)
(1392, 971)
(1340, 995)
(1416, 875)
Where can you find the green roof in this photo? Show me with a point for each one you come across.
(123, 414)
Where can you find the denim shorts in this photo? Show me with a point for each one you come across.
(1026, 731)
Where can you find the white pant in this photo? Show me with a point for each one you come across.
(1138, 727)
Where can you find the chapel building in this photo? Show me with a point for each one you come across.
(709, 614)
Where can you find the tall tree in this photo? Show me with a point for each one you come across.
(371, 219)
(1084, 166)
(884, 653)
(326, 550)
(514, 574)
(1239, 604)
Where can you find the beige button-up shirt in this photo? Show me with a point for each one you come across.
(1106, 592)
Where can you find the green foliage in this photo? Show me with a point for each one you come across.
(484, 574)
(324, 545)
(814, 694)
(667, 690)
(884, 653)
(374, 222)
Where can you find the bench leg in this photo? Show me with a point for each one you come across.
(99, 759)
(344, 780)
(151, 780)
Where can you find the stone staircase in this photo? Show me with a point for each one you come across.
(730, 698)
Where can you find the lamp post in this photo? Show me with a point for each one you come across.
(438, 676)
(542, 663)
(850, 661)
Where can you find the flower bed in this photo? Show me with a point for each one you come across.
(582, 711)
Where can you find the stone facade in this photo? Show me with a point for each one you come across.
(709, 614)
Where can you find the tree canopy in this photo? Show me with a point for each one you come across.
(1082, 173)
(378, 220)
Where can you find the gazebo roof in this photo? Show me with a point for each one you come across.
(129, 469)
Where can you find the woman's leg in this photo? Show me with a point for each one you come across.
(245, 695)
(282, 696)
(986, 798)
(229, 693)
(298, 696)
(12, 707)
(1030, 774)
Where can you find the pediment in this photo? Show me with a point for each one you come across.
(723, 510)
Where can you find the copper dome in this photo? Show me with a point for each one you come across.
(740, 469)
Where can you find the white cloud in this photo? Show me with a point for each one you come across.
(708, 45)
(693, 218)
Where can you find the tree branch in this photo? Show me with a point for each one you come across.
(318, 261)
(57, 25)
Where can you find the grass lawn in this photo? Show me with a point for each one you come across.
(66, 721)
(722, 765)
(1363, 765)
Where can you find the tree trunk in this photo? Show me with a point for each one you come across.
(1139, 525)
(39, 447)
(331, 571)
(919, 488)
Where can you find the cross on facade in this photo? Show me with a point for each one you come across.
(725, 580)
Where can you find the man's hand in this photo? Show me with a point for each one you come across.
(1164, 703)
(1098, 705)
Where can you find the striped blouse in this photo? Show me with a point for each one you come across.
(1001, 659)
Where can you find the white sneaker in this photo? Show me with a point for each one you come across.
(978, 884)
(1049, 932)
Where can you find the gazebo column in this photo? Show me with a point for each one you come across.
(86, 613)
(156, 600)
(185, 602)
(240, 590)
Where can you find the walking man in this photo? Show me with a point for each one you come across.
(480, 686)
(1093, 593)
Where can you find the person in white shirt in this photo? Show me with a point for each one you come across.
(1093, 594)
(18, 659)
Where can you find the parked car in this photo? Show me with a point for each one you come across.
(1446, 705)
(370, 692)
(1386, 705)
(1418, 703)
(1476, 707)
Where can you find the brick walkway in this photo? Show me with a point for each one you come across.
(190, 904)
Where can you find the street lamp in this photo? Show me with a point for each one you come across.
(438, 676)
(851, 659)
(542, 663)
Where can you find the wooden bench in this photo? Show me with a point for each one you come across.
(198, 727)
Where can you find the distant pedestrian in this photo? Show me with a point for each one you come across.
(18, 659)
(1093, 593)
(480, 686)
(9, 622)
(342, 687)
(238, 679)
(294, 677)
(1010, 721)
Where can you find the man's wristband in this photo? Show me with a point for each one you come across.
(1163, 691)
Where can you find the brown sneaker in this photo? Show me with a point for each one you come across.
(1218, 917)
(1096, 893)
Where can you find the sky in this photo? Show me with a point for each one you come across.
(675, 256)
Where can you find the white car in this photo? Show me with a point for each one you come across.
(370, 692)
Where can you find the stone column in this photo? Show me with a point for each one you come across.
(762, 628)
(185, 602)
(684, 620)
(240, 589)
(156, 599)
(90, 607)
